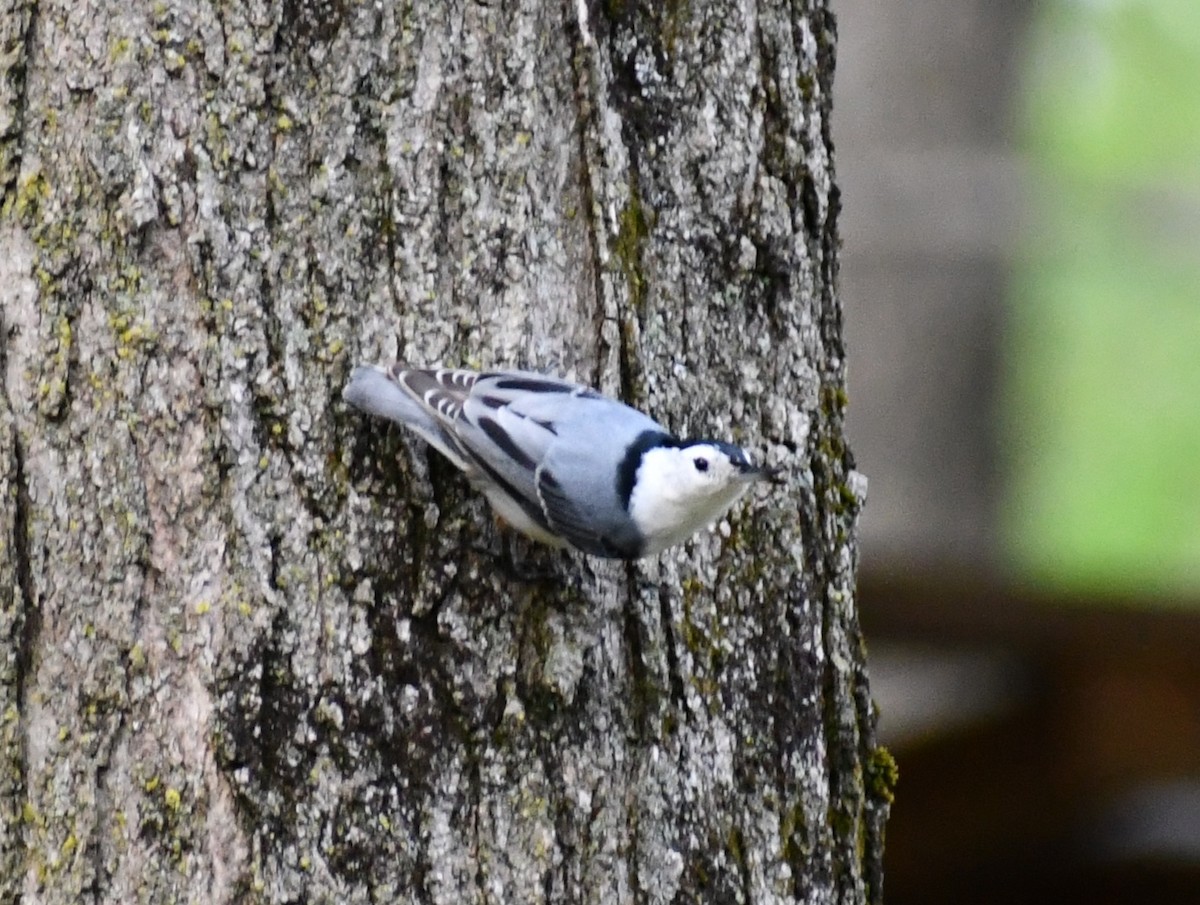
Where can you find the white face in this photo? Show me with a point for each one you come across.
(703, 471)
(680, 490)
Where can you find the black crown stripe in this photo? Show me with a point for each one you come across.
(628, 469)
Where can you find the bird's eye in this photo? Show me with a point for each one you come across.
(701, 464)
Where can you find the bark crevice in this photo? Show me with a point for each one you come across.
(31, 613)
(27, 633)
(17, 75)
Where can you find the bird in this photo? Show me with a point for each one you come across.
(560, 462)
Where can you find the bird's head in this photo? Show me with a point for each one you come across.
(683, 486)
(703, 469)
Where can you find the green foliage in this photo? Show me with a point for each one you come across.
(1103, 414)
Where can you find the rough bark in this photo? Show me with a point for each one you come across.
(257, 648)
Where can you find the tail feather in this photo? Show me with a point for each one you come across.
(376, 392)
(443, 391)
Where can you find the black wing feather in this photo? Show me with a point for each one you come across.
(500, 437)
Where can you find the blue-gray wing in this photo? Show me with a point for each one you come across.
(576, 441)
(568, 519)
(510, 419)
(499, 446)
(553, 446)
(579, 482)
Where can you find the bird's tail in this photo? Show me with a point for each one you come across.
(374, 391)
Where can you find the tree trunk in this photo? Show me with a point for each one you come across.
(259, 648)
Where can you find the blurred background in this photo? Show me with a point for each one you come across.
(1021, 280)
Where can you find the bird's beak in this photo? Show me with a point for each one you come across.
(751, 472)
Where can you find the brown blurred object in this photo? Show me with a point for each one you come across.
(1084, 787)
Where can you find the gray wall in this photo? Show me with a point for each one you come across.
(922, 126)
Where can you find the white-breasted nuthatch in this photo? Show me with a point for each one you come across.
(560, 462)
